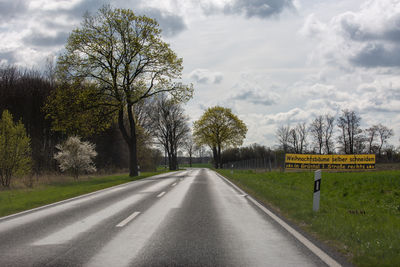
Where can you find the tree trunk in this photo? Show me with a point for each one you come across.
(130, 140)
(133, 161)
(215, 156)
(219, 157)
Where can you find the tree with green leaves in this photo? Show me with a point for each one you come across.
(123, 58)
(219, 128)
(15, 150)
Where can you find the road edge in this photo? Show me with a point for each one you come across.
(307, 242)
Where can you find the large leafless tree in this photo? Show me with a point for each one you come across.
(317, 132)
(384, 134)
(328, 133)
(283, 136)
(170, 127)
(349, 124)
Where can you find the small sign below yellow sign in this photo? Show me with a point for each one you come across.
(312, 161)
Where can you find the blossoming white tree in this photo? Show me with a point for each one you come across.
(76, 156)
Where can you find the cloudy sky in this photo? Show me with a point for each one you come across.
(274, 62)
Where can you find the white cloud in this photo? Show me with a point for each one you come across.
(367, 38)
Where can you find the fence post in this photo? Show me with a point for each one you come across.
(317, 188)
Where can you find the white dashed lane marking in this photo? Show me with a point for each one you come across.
(161, 194)
(127, 220)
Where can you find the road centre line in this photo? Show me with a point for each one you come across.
(84, 224)
(128, 219)
(173, 184)
(161, 194)
(316, 250)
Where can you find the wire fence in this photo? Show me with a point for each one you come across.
(267, 163)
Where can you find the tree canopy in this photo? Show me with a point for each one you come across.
(219, 128)
(15, 150)
(123, 58)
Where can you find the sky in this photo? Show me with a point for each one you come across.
(273, 62)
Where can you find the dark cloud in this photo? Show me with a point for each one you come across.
(11, 9)
(358, 32)
(78, 10)
(8, 56)
(42, 40)
(377, 55)
(257, 8)
(254, 98)
(205, 76)
(170, 24)
(218, 79)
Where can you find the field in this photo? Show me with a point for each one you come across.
(359, 211)
(23, 198)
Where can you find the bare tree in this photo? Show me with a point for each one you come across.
(301, 131)
(189, 146)
(371, 134)
(349, 123)
(294, 141)
(170, 127)
(360, 143)
(384, 134)
(317, 132)
(328, 133)
(283, 135)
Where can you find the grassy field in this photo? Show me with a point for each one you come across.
(20, 199)
(359, 211)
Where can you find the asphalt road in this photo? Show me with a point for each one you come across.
(189, 218)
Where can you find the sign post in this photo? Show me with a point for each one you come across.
(317, 188)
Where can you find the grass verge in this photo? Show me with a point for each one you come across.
(359, 211)
(16, 200)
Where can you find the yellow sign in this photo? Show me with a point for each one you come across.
(311, 161)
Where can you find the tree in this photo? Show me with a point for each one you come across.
(170, 127)
(371, 133)
(317, 132)
(23, 93)
(190, 147)
(328, 133)
(294, 140)
(301, 132)
(219, 128)
(322, 131)
(14, 149)
(76, 156)
(349, 123)
(384, 134)
(124, 59)
(283, 135)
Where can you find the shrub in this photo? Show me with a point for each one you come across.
(76, 156)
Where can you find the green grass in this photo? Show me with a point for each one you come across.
(370, 239)
(16, 200)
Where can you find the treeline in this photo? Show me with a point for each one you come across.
(344, 135)
(253, 156)
(24, 93)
